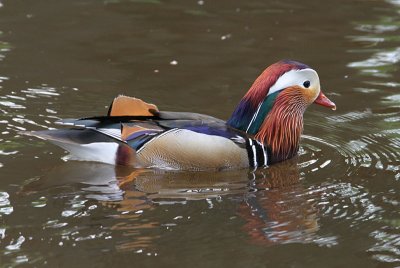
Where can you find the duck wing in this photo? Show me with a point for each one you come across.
(148, 137)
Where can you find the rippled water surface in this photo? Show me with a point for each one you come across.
(335, 205)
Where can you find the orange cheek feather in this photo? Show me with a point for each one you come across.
(282, 127)
(310, 94)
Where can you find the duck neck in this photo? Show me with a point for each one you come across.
(282, 127)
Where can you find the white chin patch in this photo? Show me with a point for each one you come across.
(296, 78)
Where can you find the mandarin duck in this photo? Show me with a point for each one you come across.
(265, 128)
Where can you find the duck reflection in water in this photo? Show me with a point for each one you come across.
(272, 202)
(280, 211)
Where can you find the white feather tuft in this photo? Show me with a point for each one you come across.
(104, 152)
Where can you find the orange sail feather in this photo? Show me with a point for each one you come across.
(129, 106)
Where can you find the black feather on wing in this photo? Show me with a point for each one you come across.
(113, 125)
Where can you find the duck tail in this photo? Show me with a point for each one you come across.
(87, 145)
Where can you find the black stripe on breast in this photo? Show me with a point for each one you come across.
(250, 153)
(262, 158)
(257, 153)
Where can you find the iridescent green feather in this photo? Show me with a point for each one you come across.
(265, 108)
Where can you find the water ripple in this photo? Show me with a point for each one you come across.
(377, 148)
(380, 34)
(5, 205)
(382, 58)
(16, 244)
(12, 105)
(42, 91)
(350, 116)
(345, 201)
(387, 246)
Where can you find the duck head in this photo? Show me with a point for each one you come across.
(272, 110)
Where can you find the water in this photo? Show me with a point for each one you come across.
(336, 204)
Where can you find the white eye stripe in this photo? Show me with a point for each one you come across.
(296, 78)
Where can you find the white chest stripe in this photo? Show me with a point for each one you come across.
(257, 153)
(264, 153)
(253, 148)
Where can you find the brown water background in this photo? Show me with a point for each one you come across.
(336, 205)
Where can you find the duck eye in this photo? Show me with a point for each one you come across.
(306, 84)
